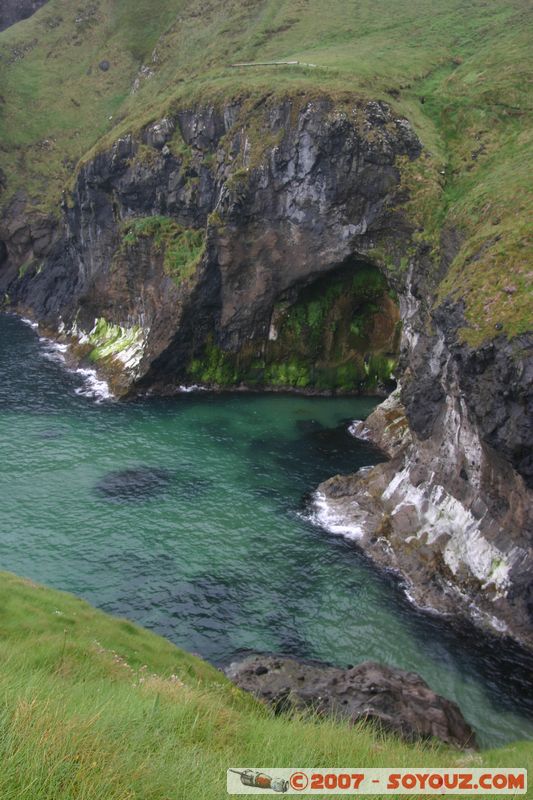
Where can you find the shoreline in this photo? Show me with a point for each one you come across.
(105, 375)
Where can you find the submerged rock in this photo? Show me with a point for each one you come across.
(400, 702)
(133, 485)
(141, 483)
(51, 433)
(194, 487)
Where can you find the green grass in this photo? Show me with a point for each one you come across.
(96, 707)
(182, 248)
(460, 72)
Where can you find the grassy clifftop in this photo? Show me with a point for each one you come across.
(458, 71)
(96, 707)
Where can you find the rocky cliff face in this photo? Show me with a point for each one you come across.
(12, 11)
(218, 243)
(451, 511)
(204, 241)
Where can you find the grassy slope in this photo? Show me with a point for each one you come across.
(468, 61)
(95, 707)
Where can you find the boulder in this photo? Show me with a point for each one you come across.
(398, 701)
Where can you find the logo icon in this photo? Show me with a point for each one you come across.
(299, 781)
(259, 780)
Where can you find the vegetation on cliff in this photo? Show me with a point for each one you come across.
(97, 707)
(182, 248)
(459, 73)
(339, 334)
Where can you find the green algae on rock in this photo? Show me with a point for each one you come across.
(339, 334)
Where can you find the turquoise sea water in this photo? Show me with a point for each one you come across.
(187, 515)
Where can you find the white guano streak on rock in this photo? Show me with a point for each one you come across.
(441, 514)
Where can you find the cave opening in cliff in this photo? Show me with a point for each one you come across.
(337, 333)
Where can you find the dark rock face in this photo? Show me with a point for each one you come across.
(12, 11)
(400, 702)
(447, 513)
(320, 197)
(451, 512)
(496, 381)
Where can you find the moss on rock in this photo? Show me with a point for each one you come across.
(110, 341)
(340, 334)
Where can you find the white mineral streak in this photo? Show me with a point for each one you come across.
(438, 518)
(442, 515)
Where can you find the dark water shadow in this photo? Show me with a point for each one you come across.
(142, 483)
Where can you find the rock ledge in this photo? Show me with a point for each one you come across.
(400, 702)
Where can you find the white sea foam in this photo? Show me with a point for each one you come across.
(192, 388)
(358, 430)
(54, 351)
(93, 386)
(322, 514)
(29, 322)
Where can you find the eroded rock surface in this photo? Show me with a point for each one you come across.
(448, 513)
(268, 201)
(401, 702)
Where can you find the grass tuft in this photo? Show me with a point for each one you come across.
(182, 248)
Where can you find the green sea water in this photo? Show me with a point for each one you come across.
(188, 515)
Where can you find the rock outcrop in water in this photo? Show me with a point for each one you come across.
(451, 511)
(221, 241)
(398, 701)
